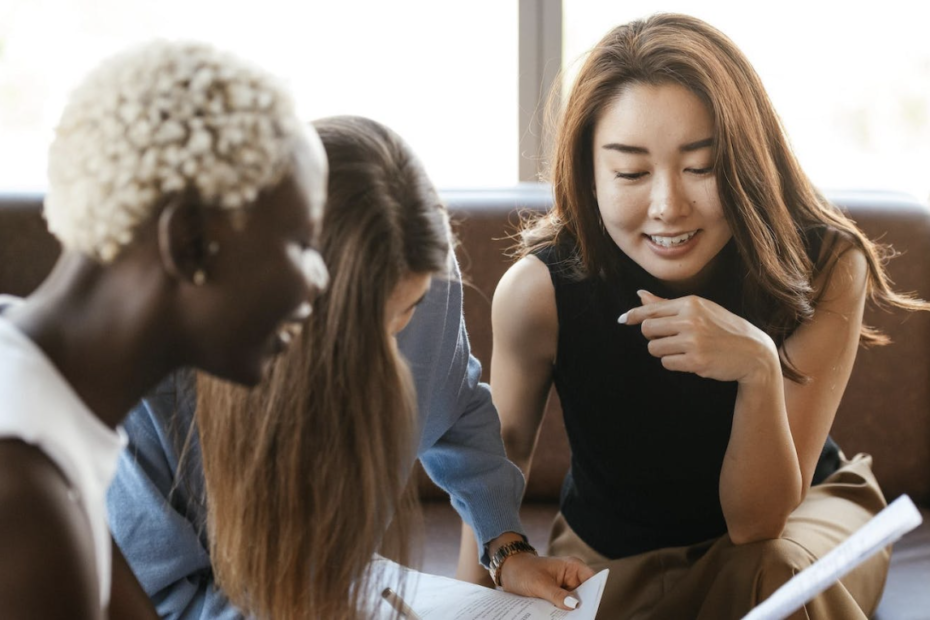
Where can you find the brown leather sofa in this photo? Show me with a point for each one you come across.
(885, 411)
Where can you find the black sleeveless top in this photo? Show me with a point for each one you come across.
(647, 443)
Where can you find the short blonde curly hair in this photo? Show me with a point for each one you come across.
(163, 119)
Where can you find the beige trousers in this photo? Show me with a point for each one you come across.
(717, 580)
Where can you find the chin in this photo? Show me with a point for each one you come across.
(246, 373)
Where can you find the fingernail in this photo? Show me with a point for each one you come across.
(641, 292)
(571, 602)
(622, 318)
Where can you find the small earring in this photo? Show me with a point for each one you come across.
(213, 248)
(200, 277)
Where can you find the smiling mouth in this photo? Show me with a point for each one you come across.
(294, 325)
(670, 242)
(289, 332)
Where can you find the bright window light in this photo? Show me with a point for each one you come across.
(443, 75)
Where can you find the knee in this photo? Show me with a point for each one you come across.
(762, 567)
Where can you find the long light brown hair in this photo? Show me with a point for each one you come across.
(768, 200)
(305, 473)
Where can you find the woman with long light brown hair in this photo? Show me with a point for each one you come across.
(304, 475)
(698, 306)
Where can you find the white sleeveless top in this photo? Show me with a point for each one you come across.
(39, 407)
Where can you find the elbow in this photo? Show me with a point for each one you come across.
(756, 526)
(518, 452)
(744, 534)
(764, 518)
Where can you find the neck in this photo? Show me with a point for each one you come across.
(103, 329)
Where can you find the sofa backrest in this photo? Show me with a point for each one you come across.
(886, 408)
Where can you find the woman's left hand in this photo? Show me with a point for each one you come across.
(693, 334)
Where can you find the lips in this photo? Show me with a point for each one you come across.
(291, 329)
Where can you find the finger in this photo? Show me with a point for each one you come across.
(563, 599)
(577, 573)
(572, 572)
(665, 347)
(660, 327)
(649, 298)
(635, 316)
(677, 363)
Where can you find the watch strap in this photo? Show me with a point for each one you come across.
(504, 552)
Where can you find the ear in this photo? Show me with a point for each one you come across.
(181, 241)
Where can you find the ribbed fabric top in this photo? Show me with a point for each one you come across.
(647, 443)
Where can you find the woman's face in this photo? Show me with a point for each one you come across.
(655, 183)
(404, 300)
(266, 274)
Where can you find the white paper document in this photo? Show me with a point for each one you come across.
(899, 518)
(440, 598)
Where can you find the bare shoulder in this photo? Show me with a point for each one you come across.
(844, 277)
(524, 304)
(47, 569)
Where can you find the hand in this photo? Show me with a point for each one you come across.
(547, 578)
(693, 334)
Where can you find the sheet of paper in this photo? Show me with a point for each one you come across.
(439, 598)
(900, 517)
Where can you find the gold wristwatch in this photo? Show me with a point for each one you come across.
(504, 552)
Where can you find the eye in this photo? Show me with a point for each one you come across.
(630, 176)
(700, 171)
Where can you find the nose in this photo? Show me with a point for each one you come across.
(668, 201)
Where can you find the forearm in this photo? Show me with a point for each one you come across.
(760, 481)
(127, 598)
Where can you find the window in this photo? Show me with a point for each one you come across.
(852, 86)
(443, 76)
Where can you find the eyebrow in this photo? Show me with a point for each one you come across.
(641, 150)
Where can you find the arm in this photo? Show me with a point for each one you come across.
(525, 336)
(460, 445)
(779, 427)
(48, 567)
(159, 527)
(128, 600)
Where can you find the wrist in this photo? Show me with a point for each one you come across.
(503, 553)
(767, 366)
(500, 541)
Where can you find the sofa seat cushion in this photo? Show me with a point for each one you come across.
(907, 592)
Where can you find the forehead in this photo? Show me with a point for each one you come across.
(647, 113)
(410, 289)
(294, 206)
(310, 172)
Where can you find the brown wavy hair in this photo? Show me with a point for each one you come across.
(768, 200)
(304, 473)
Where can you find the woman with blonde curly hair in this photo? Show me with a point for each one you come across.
(698, 305)
(186, 196)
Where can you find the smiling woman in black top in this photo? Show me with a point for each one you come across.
(698, 306)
